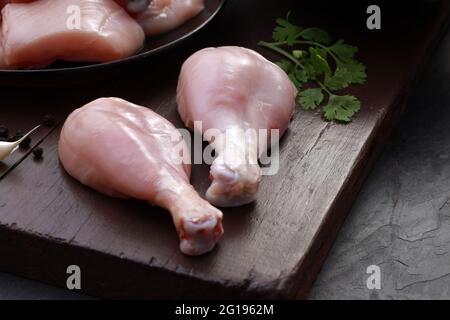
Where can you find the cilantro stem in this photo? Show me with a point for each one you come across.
(275, 48)
(324, 87)
(313, 43)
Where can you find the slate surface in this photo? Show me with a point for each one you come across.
(401, 220)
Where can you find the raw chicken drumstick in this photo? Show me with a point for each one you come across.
(124, 150)
(231, 90)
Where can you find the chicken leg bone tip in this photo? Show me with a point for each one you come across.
(232, 187)
(198, 237)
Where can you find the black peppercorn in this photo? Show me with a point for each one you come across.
(25, 143)
(16, 137)
(38, 152)
(48, 121)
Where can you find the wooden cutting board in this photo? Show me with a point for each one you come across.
(272, 248)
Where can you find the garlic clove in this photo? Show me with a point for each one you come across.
(6, 148)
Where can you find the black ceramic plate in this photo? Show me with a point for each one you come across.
(63, 72)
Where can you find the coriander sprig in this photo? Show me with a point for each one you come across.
(319, 68)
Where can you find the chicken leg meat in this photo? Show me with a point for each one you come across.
(236, 92)
(125, 150)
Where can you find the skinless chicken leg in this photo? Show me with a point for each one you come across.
(125, 150)
(237, 92)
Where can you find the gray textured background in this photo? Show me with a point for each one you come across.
(400, 222)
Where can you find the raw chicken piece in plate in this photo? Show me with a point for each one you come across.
(236, 92)
(125, 150)
(37, 33)
(165, 15)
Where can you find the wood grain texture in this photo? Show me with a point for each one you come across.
(272, 248)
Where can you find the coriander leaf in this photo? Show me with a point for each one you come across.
(320, 64)
(286, 65)
(310, 99)
(310, 70)
(343, 51)
(322, 52)
(357, 71)
(317, 35)
(296, 75)
(294, 80)
(286, 31)
(301, 75)
(341, 108)
(312, 59)
(340, 80)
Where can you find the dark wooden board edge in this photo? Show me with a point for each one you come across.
(26, 250)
